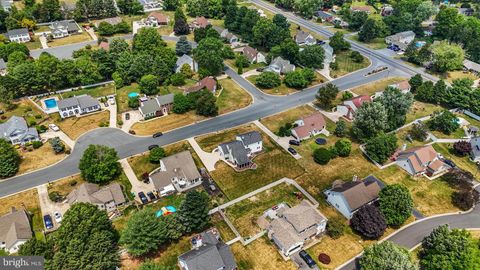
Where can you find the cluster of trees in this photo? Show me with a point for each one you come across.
(445, 122)
(311, 56)
(203, 101)
(342, 148)
(386, 255)
(9, 159)
(99, 164)
(208, 8)
(86, 9)
(107, 29)
(381, 147)
(465, 196)
(145, 233)
(443, 56)
(130, 7)
(306, 8)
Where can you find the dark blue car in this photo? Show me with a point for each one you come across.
(48, 222)
(142, 197)
(307, 258)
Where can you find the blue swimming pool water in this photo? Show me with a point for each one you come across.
(50, 103)
(133, 94)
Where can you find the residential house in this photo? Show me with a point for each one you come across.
(112, 21)
(156, 19)
(421, 160)
(176, 172)
(208, 252)
(240, 151)
(350, 106)
(475, 154)
(348, 197)
(3, 67)
(471, 66)
(401, 40)
(365, 9)
(186, 60)
(105, 198)
(296, 226)
(158, 106)
(404, 87)
(466, 11)
(18, 35)
(77, 105)
(151, 5)
(309, 126)
(253, 55)
(303, 38)
(17, 131)
(386, 10)
(6, 5)
(64, 28)
(226, 35)
(280, 66)
(15, 230)
(199, 22)
(324, 16)
(208, 83)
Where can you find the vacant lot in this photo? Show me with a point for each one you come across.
(232, 97)
(76, 126)
(29, 200)
(380, 85)
(38, 158)
(346, 64)
(376, 44)
(99, 91)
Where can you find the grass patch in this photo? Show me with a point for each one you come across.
(421, 109)
(122, 97)
(99, 91)
(380, 85)
(66, 185)
(232, 97)
(254, 66)
(402, 138)
(166, 123)
(34, 44)
(38, 158)
(81, 37)
(210, 141)
(225, 232)
(376, 44)
(122, 179)
(76, 126)
(346, 64)
(29, 200)
(457, 74)
(457, 134)
(464, 163)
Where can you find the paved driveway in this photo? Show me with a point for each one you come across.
(48, 207)
(300, 263)
(137, 185)
(135, 116)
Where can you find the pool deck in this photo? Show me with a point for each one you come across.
(45, 107)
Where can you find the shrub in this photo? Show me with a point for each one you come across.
(346, 95)
(462, 148)
(38, 116)
(37, 144)
(133, 102)
(335, 228)
(343, 147)
(465, 199)
(177, 79)
(340, 128)
(268, 80)
(295, 79)
(156, 154)
(324, 258)
(55, 196)
(369, 222)
(418, 132)
(242, 61)
(356, 57)
(445, 122)
(322, 156)
(396, 204)
(41, 128)
(9, 159)
(57, 145)
(380, 148)
(32, 123)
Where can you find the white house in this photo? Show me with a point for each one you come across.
(309, 126)
(15, 230)
(350, 106)
(186, 60)
(60, 29)
(17, 131)
(240, 151)
(77, 105)
(347, 198)
(303, 38)
(19, 35)
(401, 40)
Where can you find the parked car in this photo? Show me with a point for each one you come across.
(54, 127)
(450, 163)
(111, 101)
(58, 217)
(153, 146)
(320, 42)
(142, 197)
(47, 219)
(151, 195)
(307, 258)
(294, 142)
(320, 141)
(158, 134)
(127, 116)
(292, 151)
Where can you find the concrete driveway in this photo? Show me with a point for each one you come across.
(137, 185)
(300, 263)
(208, 159)
(48, 207)
(135, 116)
(282, 141)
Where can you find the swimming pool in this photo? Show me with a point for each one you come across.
(133, 95)
(50, 103)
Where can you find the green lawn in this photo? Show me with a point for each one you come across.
(122, 97)
(99, 91)
(459, 133)
(421, 109)
(376, 44)
(26, 109)
(231, 63)
(346, 64)
(122, 179)
(232, 97)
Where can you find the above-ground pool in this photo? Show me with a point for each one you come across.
(50, 103)
(132, 94)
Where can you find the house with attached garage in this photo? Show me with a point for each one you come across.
(401, 40)
(350, 106)
(77, 105)
(421, 160)
(295, 227)
(105, 198)
(64, 28)
(177, 172)
(186, 60)
(15, 230)
(303, 38)
(348, 197)
(208, 83)
(309, 126)
(19, 35)
(199, 22)
(253, 55)
(280, 66)
(475, 154)
(17, 131)
(240, 151)
(158, 106)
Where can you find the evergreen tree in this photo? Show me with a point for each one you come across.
(183, 46)
(193, 212)
(181, 26)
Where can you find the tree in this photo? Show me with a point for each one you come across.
(335, 228)
(445, 122)
(306, 8)
(447, 57)
(418, 132)
(312, 56)
(206, 104)
(143, 233)
(267, 34)
(147, 40)
(357, 19)
(448, 19)
(106, 29)
(415, 82)
(181, 104)
(327, 94)
(425, 92)
(372, 29)
(465, 199)
(186, 70)
(242, 61)
(462, 148)
(295, 79)
(338, 43)
(173, 227)
(9, 159)
(356, 57)
(343, 147)
(209, 56)
(397, 105)
(281, 21)
(171, 5)
(340, 128)
(130, 7)
(386, 255)
(268, 80)
(35, 247)
(369, 222)
(181, 26)
(396, 204)
(193, 212)
(154, 266)
(370, 119)
(149, 84)
(449, 249)
(156, 154)
(133, 102)
(381, 147)
(57, 145)
(322, 156)
(86, 240)
(99, 164)
(183, 46)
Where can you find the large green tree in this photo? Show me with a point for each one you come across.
(396, 204)
(370, 119)
(386, 255)
(447, 57)
(372, 29)
(193, 212)
(147, 40)
(338, 42)
(209, 56)
(149, 84)
(381, 147)
(9, 159)
(397, 105)
(180, 26)
(327, 94)
(312, 56)
(99, 164)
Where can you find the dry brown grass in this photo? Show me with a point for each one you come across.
(232, 97)
(166, 123)
(380, 85)
(76, 126)
(66, 185)
(475, 234)
(210, 141)
(225, 232)
(38, 158)
(421, 109)
(82, 37)
(274, 122)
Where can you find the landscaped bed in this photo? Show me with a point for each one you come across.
(76, 126)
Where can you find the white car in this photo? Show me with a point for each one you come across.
(58, 217)
(111, 101)
(53, 127)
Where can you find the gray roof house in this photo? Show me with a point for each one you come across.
(471, 66)
(296, 226)
(17, 131)
(280, 66)
(15, 230)
(20, 35)
(304, 38)
(106, 198)
(64, 28)
(402, 39)
(176, 172)
(188, 60)
(240, 151)
(225, 34)
(475, 154)
(158, 106)
(208, 253)
(77, 105)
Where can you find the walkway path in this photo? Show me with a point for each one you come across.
(208, 159)
(113, 115)
(91, 32)
(43, 42)
(282, 141)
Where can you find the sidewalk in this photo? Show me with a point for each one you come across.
(282, 141)
(208, 159)
(137, 185)
(43, 42)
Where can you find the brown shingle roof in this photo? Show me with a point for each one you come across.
(92, 193)
(161, 18)
(180, 165)
(250, 53)
(358, 193)
(202, 22)
(208, 82)
(311, 122)
(420, 156)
